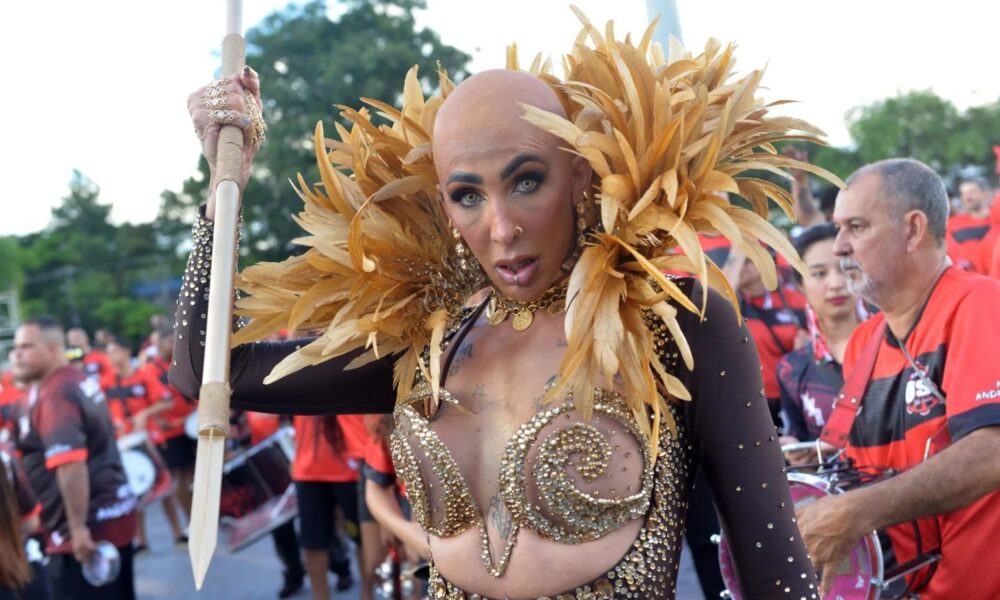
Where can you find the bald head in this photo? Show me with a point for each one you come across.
(491, 98)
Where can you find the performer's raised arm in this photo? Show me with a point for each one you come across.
(327, 388)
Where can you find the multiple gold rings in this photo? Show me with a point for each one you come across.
(257, 131)
(219, 113)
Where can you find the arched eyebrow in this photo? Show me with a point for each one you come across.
(516, 162)
(463, 177)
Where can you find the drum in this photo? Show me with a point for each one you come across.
(863, 574)
(148, 475)
(257, 492)
(859, 577)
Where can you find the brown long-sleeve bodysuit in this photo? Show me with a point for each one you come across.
(726, 430)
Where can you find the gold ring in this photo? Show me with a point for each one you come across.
(518, 232)
(215, 103)
(216, 91)
(222, 117)
(258, 127)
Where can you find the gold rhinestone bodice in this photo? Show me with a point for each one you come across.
(535, 483)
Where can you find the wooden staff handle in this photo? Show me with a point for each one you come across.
(213, 409)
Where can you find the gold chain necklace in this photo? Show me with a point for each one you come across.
(553, 300)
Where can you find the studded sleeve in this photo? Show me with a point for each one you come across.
(326, 388)
(737, 445)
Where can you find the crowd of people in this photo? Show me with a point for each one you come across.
(869, 367)
(70, 411)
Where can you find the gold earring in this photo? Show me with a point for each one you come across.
(581, 221)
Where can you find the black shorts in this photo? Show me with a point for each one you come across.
(178, 452)
(317, 503)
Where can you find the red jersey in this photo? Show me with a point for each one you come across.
(172, 419)
(320, 455)
(990, 247)
(261, 425)
(10, 394)
(774, 320)
(951, 345)
(964, 239)
(97, 366)
(129, 395)
(64, 420)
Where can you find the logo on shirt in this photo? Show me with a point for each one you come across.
(810, 409)
(989, 394)
(785, 316)
(92, 389)
(920, 398)
(138, 390)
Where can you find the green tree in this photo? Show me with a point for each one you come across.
(929, 128)
(84, 270)
(308, 64)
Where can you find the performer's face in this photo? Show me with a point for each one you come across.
(508, 187)
(871, 242)
(825, 285)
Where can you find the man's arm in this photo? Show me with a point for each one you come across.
(74, 485)
(957, 477)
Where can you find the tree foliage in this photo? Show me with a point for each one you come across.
(918, 125)
(309, 64)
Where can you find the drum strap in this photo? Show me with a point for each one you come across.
(848, 404)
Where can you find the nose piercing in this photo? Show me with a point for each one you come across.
(518, 232)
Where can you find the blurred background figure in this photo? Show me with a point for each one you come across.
(968, 228)
(95, 362)
(136, 400)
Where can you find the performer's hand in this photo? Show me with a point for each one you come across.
(224, 102)
(830, 528)
(83, 544)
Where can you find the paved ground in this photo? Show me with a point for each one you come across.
(164, 572)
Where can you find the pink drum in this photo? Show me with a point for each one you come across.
(859, 577)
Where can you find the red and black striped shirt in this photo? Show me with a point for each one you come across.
(902, 419)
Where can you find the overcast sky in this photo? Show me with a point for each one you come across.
(101, 86)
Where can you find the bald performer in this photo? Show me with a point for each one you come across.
(558, 527)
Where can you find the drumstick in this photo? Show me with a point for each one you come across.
(213, 408)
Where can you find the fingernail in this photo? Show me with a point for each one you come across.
(247, 70)
(246, 121)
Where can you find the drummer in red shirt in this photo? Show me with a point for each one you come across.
(328, 451)
(925, 413)
(96, 364)
(136, 399)
(177, 448)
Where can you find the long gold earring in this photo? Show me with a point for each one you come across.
(581, 221)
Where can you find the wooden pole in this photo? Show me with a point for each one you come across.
(213, 407)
